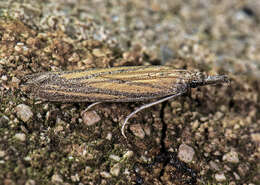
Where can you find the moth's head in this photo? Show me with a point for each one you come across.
(201, 79)
(197, 79)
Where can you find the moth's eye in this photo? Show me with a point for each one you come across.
(193, 84)
(196, 83)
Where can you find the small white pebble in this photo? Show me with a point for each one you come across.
(236, 176)
(231, 157)
(115, 170)
(20, 136)
(90, 118)
(58, 129)
(4, 78)
(144, 159)
(87, 169)
(2, 153)
(220, 177)
(105, 174)
(27, 158)
(15, 80)
(128, 154)
(75, 178)
(98, 53)
(114, 157)
(256, 137)
(74, 58)
(30, 182)
(127, 172)
(24, 112)
(186, 153)
(109, 136)
(56, 178)
(137, 130)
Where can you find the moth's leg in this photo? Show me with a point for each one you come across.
(144, 107)
(90, 106)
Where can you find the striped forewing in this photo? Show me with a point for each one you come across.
(117, 84)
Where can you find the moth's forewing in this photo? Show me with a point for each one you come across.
(118, 84)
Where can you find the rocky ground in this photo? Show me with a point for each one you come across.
(210, 136)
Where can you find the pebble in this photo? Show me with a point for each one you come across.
(20, 136)
(109, 136)
(87, 169)
(24, 112)
(8, 182)
(128, 154)
(137, 130)
(74, 58)
(2, 153)
(98, 53)
(220, 177)
(90, 118)
(56, 178)
(186, 153)
(256, 137)
(58, 129)
(236, 176)
(4, 78)
(75, 178)
(105, 174)
(115, 170)
(15, 80)
(114, 157)
(214, 166)
(30, 182)
(231, 157)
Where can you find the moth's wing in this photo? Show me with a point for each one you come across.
(119, 84)
(137, 83)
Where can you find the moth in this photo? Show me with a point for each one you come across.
(117, 84)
